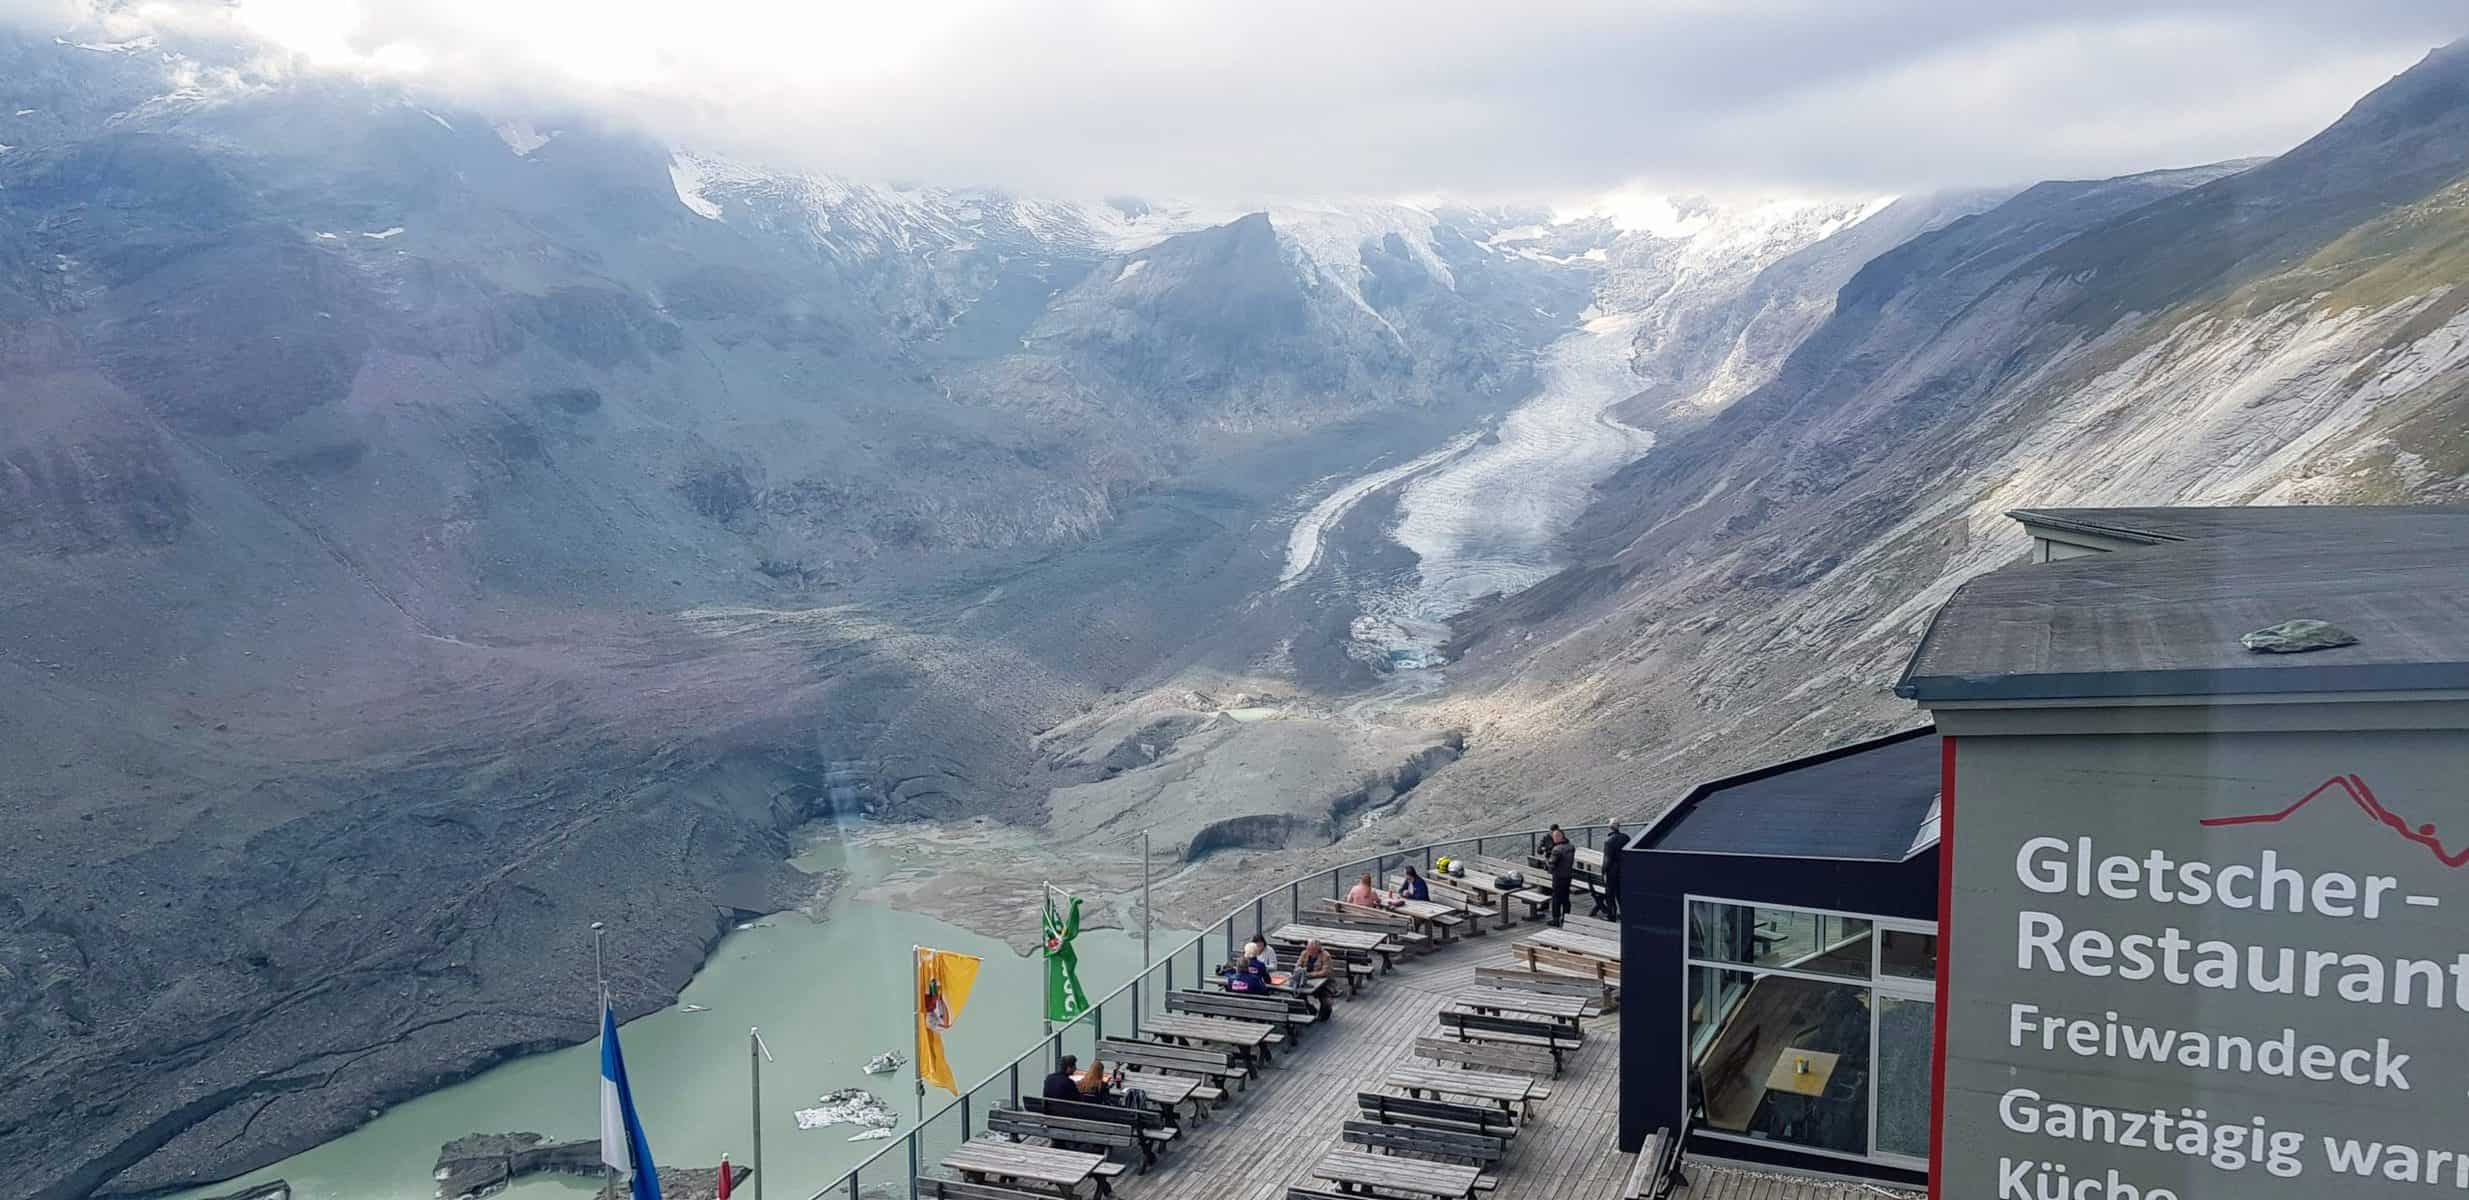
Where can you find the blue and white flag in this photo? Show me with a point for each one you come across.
(621, 1135)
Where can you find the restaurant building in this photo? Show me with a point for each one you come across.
(1784, 923)
(2199, 827)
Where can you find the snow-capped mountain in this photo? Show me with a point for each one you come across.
(494, 519)
(2283, 331)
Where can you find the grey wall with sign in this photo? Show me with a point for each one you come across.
(2171, 1004)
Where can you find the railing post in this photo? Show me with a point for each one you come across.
(1427, 860)
(1170, 976)
(1294, 899)
(1099, 1014)
(1015, 1083)
(1257, 925)
(1480, 847)
(853, 1181)
(964, 1115)
(913, 1135)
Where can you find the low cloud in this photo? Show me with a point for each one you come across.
(1282, 98)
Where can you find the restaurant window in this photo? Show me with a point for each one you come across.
(1818, 943)
(1813, 1029)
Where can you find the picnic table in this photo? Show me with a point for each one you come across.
(1426, 915)
(1360, 1169)
(1565, 1009)
(1577, 943)
(1250, 1037)
(1368, 941)
(1482, 869)
(1165, 1091)
(1503, 1090)
(984, 1158)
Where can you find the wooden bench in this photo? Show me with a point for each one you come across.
(1480, 1149)
(1486, 1119)
(1304, 1193)
(1490, 1056)
(1445, 891)
(1217, 1066)
(1277, 1011)
(1552, 958)
(1560, 1040)
(1396, 926)
(954, 1189)
(1069, 1133)
(1603, 993)
(1155, 1130)
(1658, 1168)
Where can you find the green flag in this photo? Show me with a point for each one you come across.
(1064, 999)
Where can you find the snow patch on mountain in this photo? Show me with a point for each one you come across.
(522, 138)
(687, 175)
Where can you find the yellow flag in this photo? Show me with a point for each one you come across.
(943, 981)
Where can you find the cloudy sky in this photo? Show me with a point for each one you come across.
(1536, 99)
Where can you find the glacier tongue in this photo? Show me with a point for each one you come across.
(1488, 518)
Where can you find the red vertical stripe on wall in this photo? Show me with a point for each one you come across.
(1945, 921)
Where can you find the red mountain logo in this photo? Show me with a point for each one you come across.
(2364, 798)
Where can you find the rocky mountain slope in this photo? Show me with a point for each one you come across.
(2283, 332)
(424, 532)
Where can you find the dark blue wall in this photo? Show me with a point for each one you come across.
(1653, 1006)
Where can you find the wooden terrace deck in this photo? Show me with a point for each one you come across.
(1269, 1137)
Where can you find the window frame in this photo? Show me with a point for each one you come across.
(1878, 983)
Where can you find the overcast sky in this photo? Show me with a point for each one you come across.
(1542, 99)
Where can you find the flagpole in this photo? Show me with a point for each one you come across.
(754, 1090)
(600, 976)
(917, 1033)
(1045, 898)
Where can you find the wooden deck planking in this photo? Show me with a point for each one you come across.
(1269, 1137)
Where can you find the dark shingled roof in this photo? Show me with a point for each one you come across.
(2164, 619)
(1874, 801)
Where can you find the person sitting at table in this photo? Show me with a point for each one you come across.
(1095, 1085)
(1063, 1082)
(1364, 894)
(1260, 948)
(1249, 977)
(1414, 888)
(1312, 968)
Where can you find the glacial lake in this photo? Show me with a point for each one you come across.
(827, 994)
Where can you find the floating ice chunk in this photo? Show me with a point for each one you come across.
(1131, 268)
(849, 1106)
(383, 234)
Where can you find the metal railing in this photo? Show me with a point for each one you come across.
(896, 1170)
